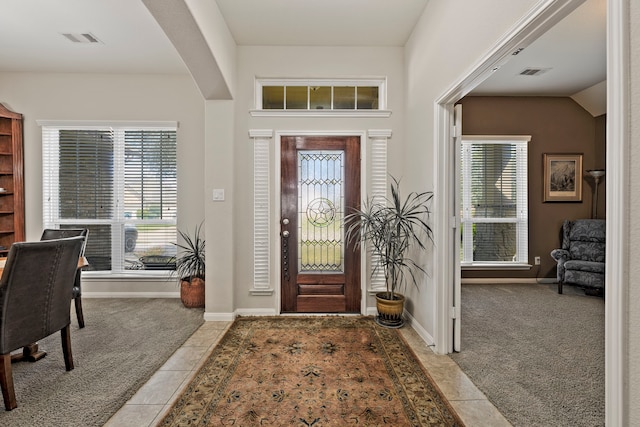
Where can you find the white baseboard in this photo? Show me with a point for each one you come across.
(219, 317)
(372, 311)
(422, 333)
(507, 281)
(131, 295)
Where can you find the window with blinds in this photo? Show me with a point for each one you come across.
(121, 184)
(494, 213)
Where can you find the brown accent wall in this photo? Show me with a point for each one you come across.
(556, 125)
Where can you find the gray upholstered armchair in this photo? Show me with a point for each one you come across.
(581, 258)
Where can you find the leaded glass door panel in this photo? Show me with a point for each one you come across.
(320, 180)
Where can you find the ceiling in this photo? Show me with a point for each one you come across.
(572, 53)
(571, 57)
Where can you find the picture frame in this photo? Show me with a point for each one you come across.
(562, 177)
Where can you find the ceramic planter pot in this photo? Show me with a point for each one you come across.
(390, 311)
(192, 293)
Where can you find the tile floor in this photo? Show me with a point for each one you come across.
(150, 403)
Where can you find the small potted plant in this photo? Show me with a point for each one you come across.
(190, 267)
(390, 228)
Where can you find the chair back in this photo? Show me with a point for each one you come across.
(585, 239)
(63, 233)
(35, 295)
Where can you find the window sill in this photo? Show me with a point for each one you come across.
(142, 275)
(495, 266)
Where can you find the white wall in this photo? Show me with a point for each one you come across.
(445, 46)
(221, 240)
(40, 96)
(309, 62)
(214, 29)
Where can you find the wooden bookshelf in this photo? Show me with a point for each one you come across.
(11, 180)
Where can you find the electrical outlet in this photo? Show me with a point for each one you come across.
(537, 260)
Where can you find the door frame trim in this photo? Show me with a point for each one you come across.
(275, 223)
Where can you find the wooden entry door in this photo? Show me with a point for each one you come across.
(320, 181)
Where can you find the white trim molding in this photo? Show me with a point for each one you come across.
(261, 133)
(219, 317)
(349, 114)
(617, 396)
(422, 332)
(79, 124)
(262, 139)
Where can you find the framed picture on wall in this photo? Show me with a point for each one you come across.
(562, 177)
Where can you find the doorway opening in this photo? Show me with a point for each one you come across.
(617, 186)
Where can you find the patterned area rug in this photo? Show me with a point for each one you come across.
(311, 371)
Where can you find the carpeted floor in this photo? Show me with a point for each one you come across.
(311, 371)
(537, 355)
(124, 342)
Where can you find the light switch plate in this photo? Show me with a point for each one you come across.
(218, 194)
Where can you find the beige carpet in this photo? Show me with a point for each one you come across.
(312, 371)
(537, 355)
(124, 342)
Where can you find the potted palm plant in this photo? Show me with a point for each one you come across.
(190, 267)
(391, 228)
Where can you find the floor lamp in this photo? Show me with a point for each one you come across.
(596, 174)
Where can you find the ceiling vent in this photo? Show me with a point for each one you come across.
(81, 37)
(534, 71)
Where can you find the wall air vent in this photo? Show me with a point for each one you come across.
(533, 71)
(81, 37)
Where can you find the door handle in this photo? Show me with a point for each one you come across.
(285, 252)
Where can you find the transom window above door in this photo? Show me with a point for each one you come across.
(321, 97)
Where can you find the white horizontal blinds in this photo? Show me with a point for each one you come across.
(151, 187)
(494, 207)
(261, 208)
(378, 192)
(86, 188)
(50, 174)
(86, 174)
(150, 194)
(466, 218)
(522, 211)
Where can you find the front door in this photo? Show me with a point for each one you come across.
(320, 180)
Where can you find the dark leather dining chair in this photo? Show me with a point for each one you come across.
(35, 300)
(54, 233)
